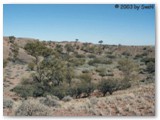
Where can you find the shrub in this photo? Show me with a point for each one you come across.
(32, 108)
(15, 51)
(109, 74)
(150, 67)
(138, 56)
(85, 71)
(102, 71)
(26, 81)
(58, 48)
(69, 74)
(102, 74)
(50, 101)
(7, 103)
(147, 60)
(83, 87)
(107, 85)
(5, 63)
(144, 53)
(72, 91)
(69, 48)
(77, 47)
(29, 88)
(91, 56)
(93, 100)
(127, 66)
(59, 91)
(88, 88)
(99, 61)
(111, 56)
(80, 56)
(123, 84)
(31, 66)
(85, 77)
(67, 98)
(77, 62)
(126, 53)
(24, 90)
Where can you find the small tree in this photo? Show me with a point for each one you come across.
(100, 42)
(50, 70)
(76, 40)
(12, 39)
(35, 49)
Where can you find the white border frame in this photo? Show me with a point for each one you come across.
(81, 2)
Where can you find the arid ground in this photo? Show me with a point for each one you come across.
(77, 79)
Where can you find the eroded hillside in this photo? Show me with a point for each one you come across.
(74, 78)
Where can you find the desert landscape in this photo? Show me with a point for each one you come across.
(74, 78)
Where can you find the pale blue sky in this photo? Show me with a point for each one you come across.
(88, 23)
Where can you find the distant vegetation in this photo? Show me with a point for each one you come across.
(54, 69)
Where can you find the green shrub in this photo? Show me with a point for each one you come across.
(37, 49)
(150, 67)
(26, 81)
(138, 56)
(99, 61)
(59, 91)
(126, 53)
(127, 66)
(58, 48)
(85, 77)
(7, 103)
(15, 51)
(77, 62)
(111, 56)
(102, 71)
(102, 74)
(80, 56)
(88, 88)
(92, 56)
(147, 60)
(107, 85)
(72, 91)
(24, 90)
(69, 75)
(69, 48)
(123, 84)
(83, 87)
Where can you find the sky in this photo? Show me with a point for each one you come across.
(86, 22)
